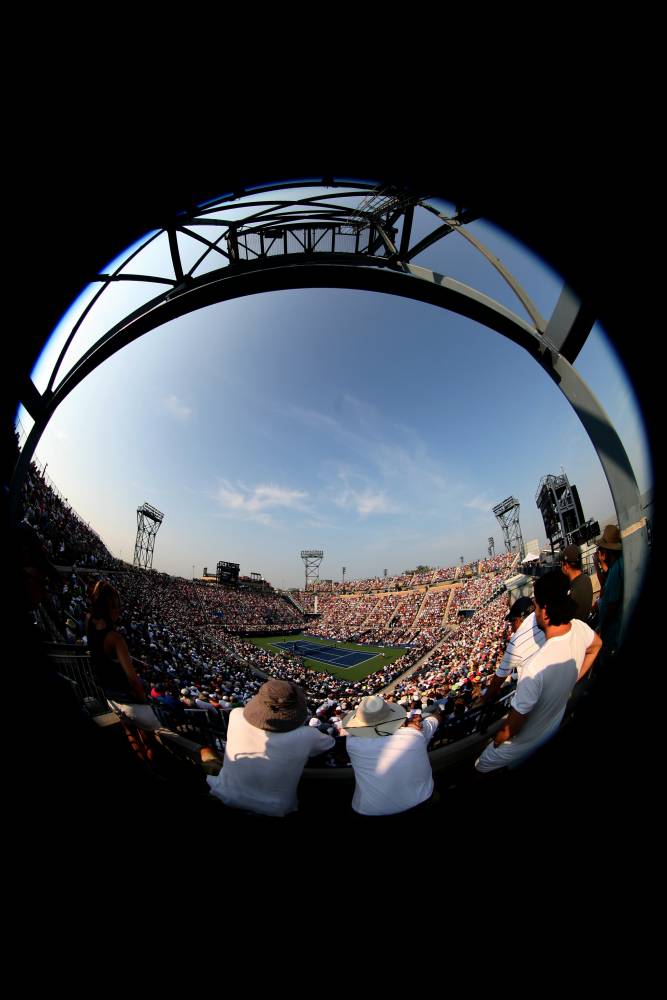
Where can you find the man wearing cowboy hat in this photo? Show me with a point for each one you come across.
(390, 761)
(610, 557)
(267, 746)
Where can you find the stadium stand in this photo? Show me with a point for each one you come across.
(189, 641)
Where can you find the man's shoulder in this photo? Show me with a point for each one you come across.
(430, 724)
(307, 734)
(581, 630)
(538, 660)
(552, 651)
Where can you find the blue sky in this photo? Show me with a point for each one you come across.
(375, 428)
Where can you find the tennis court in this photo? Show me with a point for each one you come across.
(335, 656)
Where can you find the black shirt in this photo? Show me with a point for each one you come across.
(110, 675)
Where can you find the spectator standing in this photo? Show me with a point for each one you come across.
(111, 662)
(581, 588)
(547, 677)
(389, 756)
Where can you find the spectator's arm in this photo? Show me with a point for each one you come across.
(513, 724)
(323, 744)
(493, 688)
(591, 653)
(428, 731)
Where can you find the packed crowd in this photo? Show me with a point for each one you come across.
(473, 594)
(67, 539)
(468, 655)
(369, 618)
(498, 564)
(342, 618)
(246, 609)
(403, 623)
(188, 658)
(432, 614)
(185, 667)
(402, 581)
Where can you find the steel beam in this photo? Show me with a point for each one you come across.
(618, 472)
(569, 325)
(408, 281)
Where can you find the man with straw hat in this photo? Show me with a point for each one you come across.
(388, 753)
(267, 746)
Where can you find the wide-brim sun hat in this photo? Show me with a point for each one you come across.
(610, 539)
(374, 717)
(278, 707)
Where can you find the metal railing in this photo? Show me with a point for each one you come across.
(73, 663)
(202, 727)
(477, 720)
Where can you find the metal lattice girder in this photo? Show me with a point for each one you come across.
(507, 515)
(334, 239)
(312, 559)
(149, 520)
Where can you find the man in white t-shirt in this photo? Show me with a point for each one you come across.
(392, 769)
(546, 678)
(268, 744)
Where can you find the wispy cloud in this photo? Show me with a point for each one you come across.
(393, 453)
(481, 503)
(365, 499)
(178, 409)
(253, 503)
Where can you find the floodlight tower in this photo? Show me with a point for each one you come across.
(507, 515)
(312, 559)
(149, 520)
(492, 547)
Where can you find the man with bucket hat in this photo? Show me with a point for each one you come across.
(268, 744)
(389, 756)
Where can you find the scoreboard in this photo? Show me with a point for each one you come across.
(228, 572)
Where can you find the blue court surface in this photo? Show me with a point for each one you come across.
(333, 655)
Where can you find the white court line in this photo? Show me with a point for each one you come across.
(343, 654)
(338, 659)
